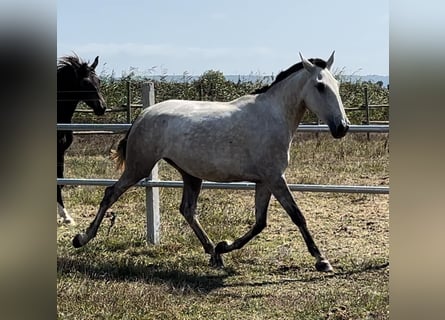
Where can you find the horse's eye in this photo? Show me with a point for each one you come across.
(320, 86)
(86, 84)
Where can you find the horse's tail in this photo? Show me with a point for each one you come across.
(118, 155)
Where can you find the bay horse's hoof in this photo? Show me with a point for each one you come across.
(80, 240)
(216, 261)
(324, 266)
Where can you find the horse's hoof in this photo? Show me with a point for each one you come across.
(222, 247)
(70, 222)
(324, 266)
(216, 261)
(80, 240)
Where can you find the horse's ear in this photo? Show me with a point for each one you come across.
(94, 65)
(330, 61)
(306, 63)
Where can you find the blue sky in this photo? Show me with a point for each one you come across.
(232, 36)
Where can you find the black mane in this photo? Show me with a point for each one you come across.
(284, 74)
(75, 63)
(72, 61)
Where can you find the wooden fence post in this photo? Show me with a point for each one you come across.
(366, 109)
(128, 102)
(151, 194)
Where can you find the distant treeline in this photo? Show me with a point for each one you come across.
(213, 85)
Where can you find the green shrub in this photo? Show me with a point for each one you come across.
(213, 86)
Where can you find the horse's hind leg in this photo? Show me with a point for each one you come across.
(112, 193)
(262, 198)
(192, 188)
(282, 193)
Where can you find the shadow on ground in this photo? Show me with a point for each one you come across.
(151, 273)
(196, 281)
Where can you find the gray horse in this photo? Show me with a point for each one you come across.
(247, 139)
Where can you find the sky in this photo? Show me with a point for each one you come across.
(238, 37)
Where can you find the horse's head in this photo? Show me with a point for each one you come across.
(89, 87)
(321, 95)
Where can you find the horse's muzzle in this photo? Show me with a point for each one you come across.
(340, 130)
(99, 112)
(100, 108)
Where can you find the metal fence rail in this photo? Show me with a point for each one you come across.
(233, 185)
(118, 127)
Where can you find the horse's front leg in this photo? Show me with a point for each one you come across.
(262, 198)
(281, 192)
(63, 214)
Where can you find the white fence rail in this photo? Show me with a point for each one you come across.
(232, 185)
(122, 127)
(152, 184)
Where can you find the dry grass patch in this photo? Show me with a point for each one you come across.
(119, 276)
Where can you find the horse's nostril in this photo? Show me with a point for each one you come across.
(341, 130)
(343, 127)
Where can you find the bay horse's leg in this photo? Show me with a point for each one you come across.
(66, 218)
(192, 188)
(63, 214)
(262, 198)
(112, 193)
(282, 193)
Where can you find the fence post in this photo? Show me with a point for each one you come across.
(128, 102)
(367, 109)
(151, 194)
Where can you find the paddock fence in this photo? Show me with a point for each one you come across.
(152, 182)
(129, 107)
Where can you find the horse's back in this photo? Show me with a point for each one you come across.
(192, 109)
(181, 124)
(188, 115)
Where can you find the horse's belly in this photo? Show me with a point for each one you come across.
(217, 169)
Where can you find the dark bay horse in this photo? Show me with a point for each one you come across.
(76, 81)
(247, 139)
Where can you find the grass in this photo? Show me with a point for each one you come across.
(119, 276)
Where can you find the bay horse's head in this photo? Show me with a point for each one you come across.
(321, 95)
(79, 82)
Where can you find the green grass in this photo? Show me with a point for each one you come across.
(119, 276)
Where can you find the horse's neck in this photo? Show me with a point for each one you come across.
(287, 97)
(65, 110)
(67, 95)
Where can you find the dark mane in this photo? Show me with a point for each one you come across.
(284, 74)
(73, 62)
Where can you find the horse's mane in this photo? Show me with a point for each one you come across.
(72, 61)
(284, 74)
